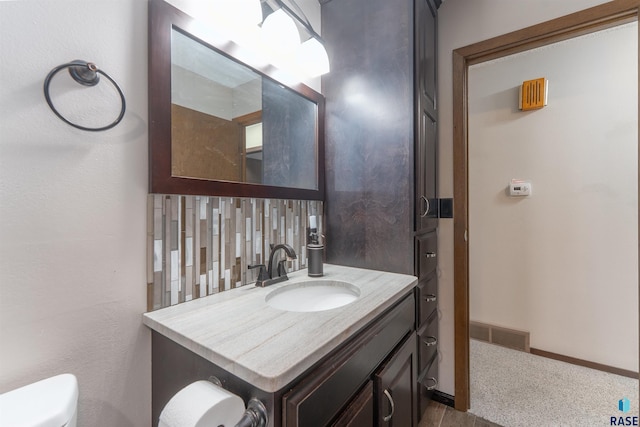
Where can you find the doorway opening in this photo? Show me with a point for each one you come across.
(584, 22)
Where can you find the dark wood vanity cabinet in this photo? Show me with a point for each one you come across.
(381, 131)
(352, 386)
(371, 381)
(427, 316)
(426, 133)
(427, 202)
(390, 399)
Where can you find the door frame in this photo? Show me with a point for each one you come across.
(597, 18)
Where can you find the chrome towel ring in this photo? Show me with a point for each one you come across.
(87, 74)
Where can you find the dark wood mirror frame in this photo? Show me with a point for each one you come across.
(163, 17)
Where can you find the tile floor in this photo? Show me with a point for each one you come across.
(439, 415)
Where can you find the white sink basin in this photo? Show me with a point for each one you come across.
(313, 295)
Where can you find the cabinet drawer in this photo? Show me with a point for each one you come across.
(427, 340)
(427, 382)
(427, 254)
(427, 299)
(322, 394)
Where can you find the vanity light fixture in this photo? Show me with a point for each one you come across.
(284, 37)
(279, 30)
(311, 56)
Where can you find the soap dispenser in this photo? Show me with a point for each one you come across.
(314, 250)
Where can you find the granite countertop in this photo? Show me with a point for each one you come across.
(269, 347)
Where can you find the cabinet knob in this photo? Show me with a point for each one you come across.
(393, 408)
(430, 298)
(430, 383)
(430, 341)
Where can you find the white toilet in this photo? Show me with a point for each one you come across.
(52, 402)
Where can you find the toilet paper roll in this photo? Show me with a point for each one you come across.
(202, 404)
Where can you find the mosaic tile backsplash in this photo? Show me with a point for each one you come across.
(198, 246)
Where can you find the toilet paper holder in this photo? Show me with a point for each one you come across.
(256, 413)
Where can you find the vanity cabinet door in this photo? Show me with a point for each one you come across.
(426, 51)
(322, 396)
(426, 118)
(359, 413)
(395, 388)
(427, 208)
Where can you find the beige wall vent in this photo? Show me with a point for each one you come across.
(511, 338)
(533, 94)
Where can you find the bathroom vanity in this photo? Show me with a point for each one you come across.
(351, 365)
(358, 364)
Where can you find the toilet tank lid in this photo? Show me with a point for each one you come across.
(50, 402)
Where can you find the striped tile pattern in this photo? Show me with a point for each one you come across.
(199, 246)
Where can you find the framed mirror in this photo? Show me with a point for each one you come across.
(219, 127)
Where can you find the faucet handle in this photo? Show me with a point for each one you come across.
(282, 270)
(262, 274)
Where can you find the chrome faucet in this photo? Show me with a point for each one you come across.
(266, 276)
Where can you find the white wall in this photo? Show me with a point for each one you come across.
(563, 263)
(73, 207)
(460, 23)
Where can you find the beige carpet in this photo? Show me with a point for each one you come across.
(514, 389)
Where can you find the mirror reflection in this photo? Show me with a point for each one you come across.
(228, 123)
